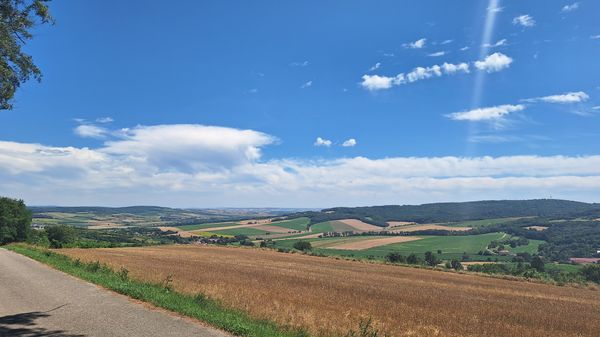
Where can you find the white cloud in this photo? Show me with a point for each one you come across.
(524, 20)
(494, 62)
(91, 131)
(595, 37)
(570, 8)
(377, 82)
(436, 54)
(596, 107)
(465, 48)
(420, 43)
(494, 8)
(486, 114)
(123, 174)
(104, 120)
(349, 143)
(307, 84)
(450, 68)
(375, 66)
(566, 98)
(446, 41)
(322, 142)
(299, 64)
(500, 43)
(188, 147)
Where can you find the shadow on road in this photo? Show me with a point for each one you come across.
(24, 325)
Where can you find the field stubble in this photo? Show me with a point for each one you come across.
(330, 296)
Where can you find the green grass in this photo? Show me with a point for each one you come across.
(199, 306)
(206, 225)
(481, 223)
(531, 248)
(331, 226)
(451, 246)
(299, 224)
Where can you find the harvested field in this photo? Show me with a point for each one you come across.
(360, 226)
(415, 228)
(329, 296)
(399, 223)
(537, 228)
(371, 243)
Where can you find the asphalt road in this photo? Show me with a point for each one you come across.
(36, 300)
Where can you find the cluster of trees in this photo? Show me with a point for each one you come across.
(430, 259)
(456, 212)
(536, 269)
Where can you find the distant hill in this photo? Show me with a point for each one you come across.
(458, 211)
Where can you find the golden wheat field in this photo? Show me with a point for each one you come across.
(330, 296)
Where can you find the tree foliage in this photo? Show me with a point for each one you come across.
(17, 18)
(303, 245)
(15, 221)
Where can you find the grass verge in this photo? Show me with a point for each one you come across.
(161, 295)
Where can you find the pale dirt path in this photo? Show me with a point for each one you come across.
(36, 300)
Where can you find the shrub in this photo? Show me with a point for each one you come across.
(591, 272)
(412, 259)
(60, 235)
(302, 245)
(537, 263)
(431, 259)
(456, 265)
(394, 257)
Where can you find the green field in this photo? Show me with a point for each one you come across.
(451, 246)
(331, 226)
(299, 224)
(481, 223)
(207, 225)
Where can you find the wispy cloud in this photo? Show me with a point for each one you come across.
(570, 8)
(91, 131)
(322, 142)
(494, 63)
(566, 98)
(446, 41)
(377, 82)
(104, 120)
(349, 143)
(307, 84)
(500, 43)
(595, 37)
(437, 54)
(420, 43)
(486, 114)
(375, 66)
(299, 64)
(465, 48)
(524, 21)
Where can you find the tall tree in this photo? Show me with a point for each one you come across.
(17, 18)
(15, 220)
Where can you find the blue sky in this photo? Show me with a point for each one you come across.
(236, 103)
